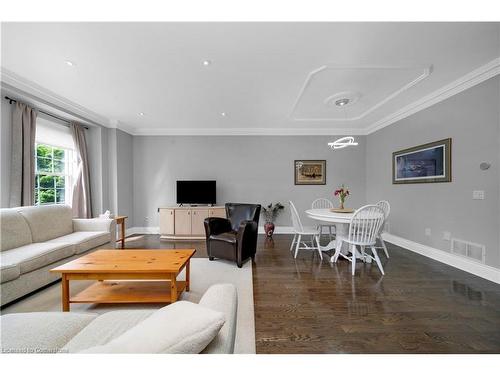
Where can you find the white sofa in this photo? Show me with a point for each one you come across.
(182, 327)
(35, 239)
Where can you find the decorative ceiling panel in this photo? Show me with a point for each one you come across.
(366, 88)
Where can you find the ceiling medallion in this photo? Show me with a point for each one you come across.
(342, 143)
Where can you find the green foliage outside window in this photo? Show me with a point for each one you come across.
(50, 179)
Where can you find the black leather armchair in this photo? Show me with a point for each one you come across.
(234, 238)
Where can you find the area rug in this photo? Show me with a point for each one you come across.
(204, 273)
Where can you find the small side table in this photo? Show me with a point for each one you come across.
(120, 220)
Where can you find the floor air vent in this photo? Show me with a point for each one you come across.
(468, 249)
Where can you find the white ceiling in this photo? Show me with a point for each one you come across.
(269, 78)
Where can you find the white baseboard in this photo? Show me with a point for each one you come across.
(142, 230)
(478, 269)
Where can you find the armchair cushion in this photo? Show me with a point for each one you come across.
(229, 237)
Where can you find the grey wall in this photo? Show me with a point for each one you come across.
(472, 120)
(5, 142)
(98, 150)
(125, 176)
(257, 169)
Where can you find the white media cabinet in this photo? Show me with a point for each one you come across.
(186, 223)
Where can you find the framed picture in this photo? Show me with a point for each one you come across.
(310, 172)
(426, 163)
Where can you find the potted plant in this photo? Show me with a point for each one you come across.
(271, 212)
(342, 194)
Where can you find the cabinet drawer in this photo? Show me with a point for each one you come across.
(217, 212)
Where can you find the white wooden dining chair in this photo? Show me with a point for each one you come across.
(324, 203)
(386, 207)
(299, 231)
(363, 229)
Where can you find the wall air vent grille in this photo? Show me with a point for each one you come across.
(468, 249)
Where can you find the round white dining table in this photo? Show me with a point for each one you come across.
(341, 221)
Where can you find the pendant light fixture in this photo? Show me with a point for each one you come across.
(344, 141)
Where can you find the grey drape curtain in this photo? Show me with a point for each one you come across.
(22, 171)
(82, 206)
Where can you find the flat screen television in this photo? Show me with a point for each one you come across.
(196, 192)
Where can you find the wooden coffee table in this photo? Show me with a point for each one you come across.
(138, 276)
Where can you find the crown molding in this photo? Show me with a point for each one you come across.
(25, 87)
(243, 131)
(463, 83)
(426, 71)
(16, 84)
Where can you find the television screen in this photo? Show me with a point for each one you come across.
(196, 192)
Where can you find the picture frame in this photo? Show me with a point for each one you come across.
(427, 163)
(310, 172)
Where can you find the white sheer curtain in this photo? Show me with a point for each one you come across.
(82, 206)
(22, 172)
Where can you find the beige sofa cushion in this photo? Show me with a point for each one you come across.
(179, 328)
(40, 332)
(48, 222)
(83, 241)
(9, 272)
(33, 256)
(14, 229)
(105, 328)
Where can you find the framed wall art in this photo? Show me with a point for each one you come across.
(310, 172)
(430, 162)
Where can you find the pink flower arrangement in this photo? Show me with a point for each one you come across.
(342, 193)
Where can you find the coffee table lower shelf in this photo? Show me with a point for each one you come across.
(128, 292)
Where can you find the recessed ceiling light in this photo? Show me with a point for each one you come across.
(223, 114)
(141, 113)
(69, 63)
(207, 62)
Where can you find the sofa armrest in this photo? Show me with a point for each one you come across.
(222, 298)
(96, 225)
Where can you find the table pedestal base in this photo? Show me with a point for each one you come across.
(341, 231)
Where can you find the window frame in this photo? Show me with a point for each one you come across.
(70, 165)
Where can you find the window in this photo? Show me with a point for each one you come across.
(55, 163)
(53, 174)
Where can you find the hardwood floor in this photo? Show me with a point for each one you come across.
(419, 306)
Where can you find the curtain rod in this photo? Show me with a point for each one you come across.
(46, 113)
